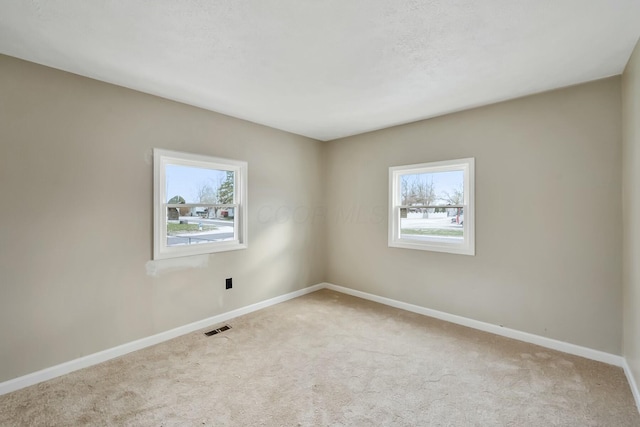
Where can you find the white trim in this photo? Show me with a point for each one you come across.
(103, 356)
(464, 246)
(161, 159)
(565, 347)
(632, 383)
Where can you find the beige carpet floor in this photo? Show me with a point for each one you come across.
(331, 359)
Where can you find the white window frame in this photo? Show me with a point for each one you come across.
(162, 158)
(466, 246)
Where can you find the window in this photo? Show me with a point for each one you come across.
(200, 204)
(431, 206)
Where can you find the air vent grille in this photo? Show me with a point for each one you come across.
(217, 331)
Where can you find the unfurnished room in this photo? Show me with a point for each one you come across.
(320, 213)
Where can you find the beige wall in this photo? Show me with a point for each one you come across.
(548, 203)
(76, 223)
(76, 217)
(631, 210)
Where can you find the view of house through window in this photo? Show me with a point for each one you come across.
(433, 204)
(200, 205)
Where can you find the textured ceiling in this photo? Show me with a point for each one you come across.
(327, 68)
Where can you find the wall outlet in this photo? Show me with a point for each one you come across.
(229, 283)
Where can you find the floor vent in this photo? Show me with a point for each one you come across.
(217, 331)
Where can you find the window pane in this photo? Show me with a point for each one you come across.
(430, 223)
(431, 206)
(192, 226)
(187, 184)
(199, 204)
(437, 188)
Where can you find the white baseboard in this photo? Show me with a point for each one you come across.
(103, 356)
(632, 383)
(565, 347)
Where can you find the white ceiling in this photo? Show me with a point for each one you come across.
(327, 68)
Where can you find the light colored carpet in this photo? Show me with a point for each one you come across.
(331, 359)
